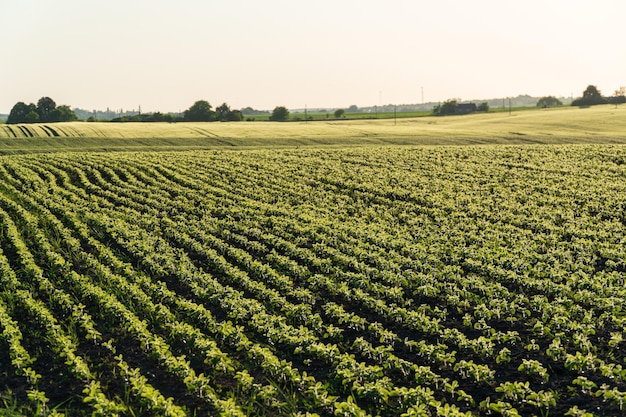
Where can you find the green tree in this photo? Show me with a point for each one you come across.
(32, 117)
(222, 112)
(619, 97)
(448, 107)
(280, 114)
(484, 106)
(235, 116)
(591, 96)
(200, 111)
(62, 114)
(19, 112)
(45, 106)
(548, 101)
(339, 113)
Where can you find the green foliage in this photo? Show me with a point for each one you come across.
(591, 96)
(548, 101)
(224, 113)
(339, 113)
(145, 117)
(200, 111)
(280, 114)
(355, 281)
(448, 107)
(46, 110)
(618, 97)
(20, 111)
(31, 117)
(62, 113)
(45, 106)
(617, 100)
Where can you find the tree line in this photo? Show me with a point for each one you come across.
(45, 111)
(453, 106)
(592, 96)
(201, 111)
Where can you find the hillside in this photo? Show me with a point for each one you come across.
(600, 124)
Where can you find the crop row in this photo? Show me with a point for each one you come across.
(414, 281)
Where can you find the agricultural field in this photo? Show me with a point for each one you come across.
(382, 281)
(600, 124)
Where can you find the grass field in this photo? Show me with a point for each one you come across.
(600, 124)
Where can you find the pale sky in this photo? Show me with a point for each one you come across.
(164, 55)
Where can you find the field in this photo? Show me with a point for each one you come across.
(379, 280)
(600, 124)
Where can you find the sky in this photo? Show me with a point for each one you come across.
(164, 55)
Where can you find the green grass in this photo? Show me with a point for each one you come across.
(600, 124)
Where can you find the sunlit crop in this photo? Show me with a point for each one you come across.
(603, 124)
(399, 281)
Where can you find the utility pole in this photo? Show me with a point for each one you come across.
(422, 94)
(306, 119)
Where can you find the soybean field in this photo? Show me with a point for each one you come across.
(373, 281)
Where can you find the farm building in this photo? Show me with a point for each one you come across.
(465, 108)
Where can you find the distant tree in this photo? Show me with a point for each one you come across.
(339, 113)
(235, 116)
(591, 96)
(484, 107)
(353, 109)
(19, 111)
(548, 101)
(154, 117)
(280, 114)
(222, 112)
(62, 114)
(249, 111)
(448, 107)
(619, 96)
(45, 106)
(54, 115)
(200, 111)
(32, 117)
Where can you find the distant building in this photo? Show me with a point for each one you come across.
(465, 108)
